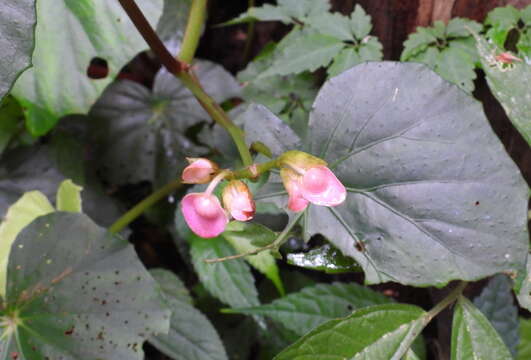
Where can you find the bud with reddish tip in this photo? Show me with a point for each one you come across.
(308, 179)
(204, 215)
(507, 58)
(238, 200)
(200, 171)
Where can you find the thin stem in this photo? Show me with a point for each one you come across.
(142, 206)
(446, 301)
(281, 239)
(196, 21)
(157, 46)
(216, 112)
(250, 36)
(255, 170)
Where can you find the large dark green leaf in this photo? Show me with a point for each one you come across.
(496, 302)
(524, 347)
(17, 22)
(375, 332)
(473, 337)
(191, 335)
(423, 206)
(92, 300)
(510, 84)
(141, 132)
(304, 310)
(69, 34)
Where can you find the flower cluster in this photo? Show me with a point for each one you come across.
(306, 178)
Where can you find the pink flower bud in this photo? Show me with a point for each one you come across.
(295, 200)
(200, 171)
(507, 58)
(204, 215)
(307, 179)
(238, 200)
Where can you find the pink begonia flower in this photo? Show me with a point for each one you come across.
(307, 179)
(203, 212)
(238, 200)
(200, 171)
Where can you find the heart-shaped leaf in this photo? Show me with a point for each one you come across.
(69, 34)
(423, 206)
(94, 300)
(375, 332)
(17, 22)
(496, 302)
(191, 335)
(473, 337)
(302, 311)
(141, 132)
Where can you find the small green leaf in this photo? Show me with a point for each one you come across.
(325, 258)
(191, 335)
(116, 305)
(229, 281)
(360, 23)
(335, 25)
(302, 311)
(306, 53)
(347, 58)
(459, 27)
(242, 235)
(457, 67)
(69, 197)
(416, 43)
(19, 215)
(473, 337)
(57, 85)
(510, 85)
(375, 332)
(504, 17)
(17, 22)
(497, 304)
(524, 347)
(171, 285)
(524, 295)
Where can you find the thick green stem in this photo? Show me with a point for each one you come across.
(142, 206)
(216, 112)
(446, 301)
(196, 21)
(254, 171)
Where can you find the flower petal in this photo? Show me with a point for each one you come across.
(200, 171)
(238, 200)
(320, 186)
(296, 202)
(204, 215)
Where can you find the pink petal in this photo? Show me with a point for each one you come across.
(238, 200)
(296, 202)
(200, 171)
(320, 186)
(204, 215)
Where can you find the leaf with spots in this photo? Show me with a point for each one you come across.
(141, 132)
(374, 332)
(473, 336)
(115, 308)
(424, 206)
(17, 22)
(68, 35)
(302, 311)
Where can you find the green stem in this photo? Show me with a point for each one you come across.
(281, 239)
(250, 36)
(142, 206)
(216, 112)
(254, 171)
(454, 294)
(196, 21)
